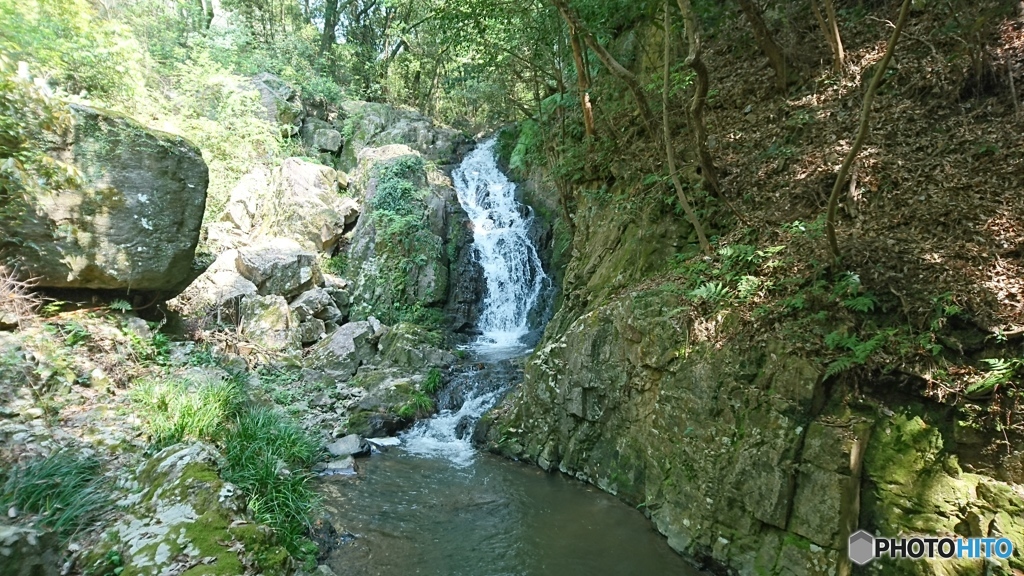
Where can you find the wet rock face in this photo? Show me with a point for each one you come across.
(133, 222)
(715, 439)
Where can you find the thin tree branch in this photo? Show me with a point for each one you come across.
(862, 132)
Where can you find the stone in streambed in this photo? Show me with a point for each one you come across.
(342, 467)
(351, 445)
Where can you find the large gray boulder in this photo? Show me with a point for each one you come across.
(281, 101)
(181, 514)
(134, 220)
(373, 125)
(268, 323)
(345, 350)
(305, 203)
(299, 200)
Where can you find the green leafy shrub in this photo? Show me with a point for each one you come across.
(68, 42)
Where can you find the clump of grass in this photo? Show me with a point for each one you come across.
(434, 381)
(268, 455)
(64, 489)
(181, 409)
(418, 405)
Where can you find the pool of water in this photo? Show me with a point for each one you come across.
(416, 515)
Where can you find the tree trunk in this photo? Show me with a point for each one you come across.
(206, 8)
(670, 153)
(862, 132)
(583, 82)
(331, 15)
(767, 44)
(609, 61)
(700, 95)
(830, 29)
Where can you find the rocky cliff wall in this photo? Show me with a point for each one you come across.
(743, 455)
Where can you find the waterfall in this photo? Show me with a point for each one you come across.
(515, 284)
(512, 269)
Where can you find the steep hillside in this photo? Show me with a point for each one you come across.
(763, 403)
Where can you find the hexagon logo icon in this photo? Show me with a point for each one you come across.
(861, 547)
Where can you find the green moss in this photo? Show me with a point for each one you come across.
(359, 423)
(901, 448)
(205, 534)
(262, 548)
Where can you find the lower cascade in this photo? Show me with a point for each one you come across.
(515, 282)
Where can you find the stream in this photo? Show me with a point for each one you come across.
(433, 504)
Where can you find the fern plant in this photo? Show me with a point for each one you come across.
(858, 351)
(1000, 371)
(710, 292)
(120, 305)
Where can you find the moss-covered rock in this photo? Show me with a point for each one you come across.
(407, 258)
(181, 517)
(133, 220)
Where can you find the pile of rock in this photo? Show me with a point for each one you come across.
(273, 291)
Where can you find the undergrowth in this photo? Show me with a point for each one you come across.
(64, 489)
(769, 289)
(268, 455)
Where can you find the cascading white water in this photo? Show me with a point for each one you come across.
(515, 283)
(512, 268)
